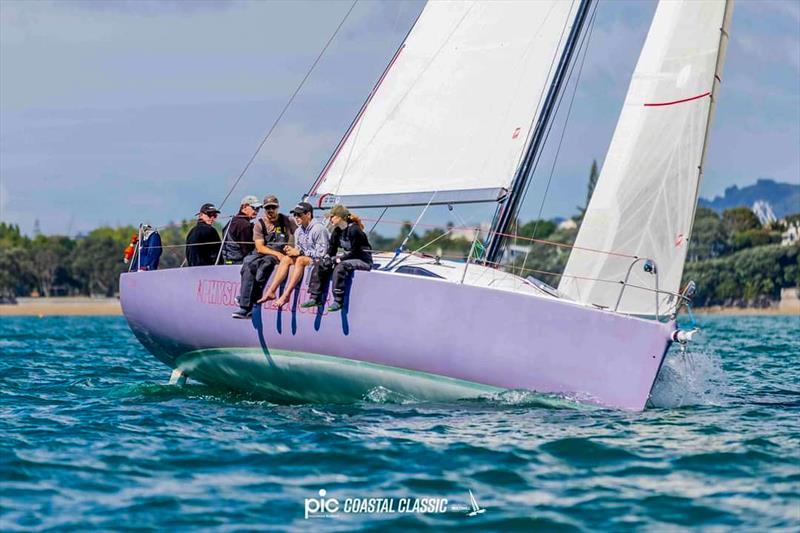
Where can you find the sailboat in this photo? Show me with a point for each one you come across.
(460, 115)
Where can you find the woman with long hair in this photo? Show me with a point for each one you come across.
(348, 234)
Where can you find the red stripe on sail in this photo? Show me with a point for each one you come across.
(658, 104)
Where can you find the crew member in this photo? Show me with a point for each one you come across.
(238, 233)
(271, 233)
(348, 233)
(203, 242)
(312, 239)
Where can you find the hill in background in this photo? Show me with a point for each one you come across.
(783, 197)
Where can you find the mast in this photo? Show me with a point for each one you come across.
(510, 208)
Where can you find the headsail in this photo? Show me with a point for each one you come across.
(646, 195)
(449, 119)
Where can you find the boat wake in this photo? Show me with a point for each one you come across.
(691, 377)
(382, 395)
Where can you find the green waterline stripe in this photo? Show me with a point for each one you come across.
(343, 361)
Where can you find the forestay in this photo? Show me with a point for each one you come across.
(646, 195)
(450, 117)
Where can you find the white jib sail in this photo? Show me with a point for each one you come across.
(452, 113)
(645, 199)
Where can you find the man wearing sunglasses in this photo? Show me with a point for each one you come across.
(238, 233)
(272, 232)
(203, 242)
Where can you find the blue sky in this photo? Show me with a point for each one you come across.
(125, 111)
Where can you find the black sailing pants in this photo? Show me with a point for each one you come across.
(256, 270)
(323, 272)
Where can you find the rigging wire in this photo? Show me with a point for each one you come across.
(288, 103)
(549, 129)
(585, 45)
(539, 103)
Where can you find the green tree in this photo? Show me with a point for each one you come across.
(538, 229)
(752, 276)
(709, 236)
(739, 219)
(97, 260)
(50, 263)
(594, 174)
(16, 272)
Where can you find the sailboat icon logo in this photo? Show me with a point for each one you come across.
(476, 509)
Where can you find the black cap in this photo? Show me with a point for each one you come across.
(208, 209)
(302, 208)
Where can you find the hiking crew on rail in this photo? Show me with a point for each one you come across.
(272, 232)
(311, 244)
(348, 233)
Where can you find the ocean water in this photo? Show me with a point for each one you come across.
(92, 438)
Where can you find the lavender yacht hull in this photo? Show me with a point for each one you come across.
(429, 338)
(455, 118)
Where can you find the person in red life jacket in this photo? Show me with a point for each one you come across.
(272, 232)
(238, 233)
(348, 234)
(203, 242)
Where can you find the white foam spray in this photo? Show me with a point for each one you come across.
(689, 377)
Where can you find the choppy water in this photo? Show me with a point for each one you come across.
(92, 438)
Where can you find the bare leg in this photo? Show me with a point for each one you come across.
(300, 265)
(277, 279)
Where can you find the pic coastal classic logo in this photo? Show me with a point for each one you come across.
(324, 507)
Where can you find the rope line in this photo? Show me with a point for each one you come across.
(286, 106)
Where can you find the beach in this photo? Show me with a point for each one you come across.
(62, 306)
(86, 306)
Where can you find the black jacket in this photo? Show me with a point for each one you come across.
(208, 240)
(239, 240)
(353, 241)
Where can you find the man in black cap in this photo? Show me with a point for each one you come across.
(311, 243)
(203, 242)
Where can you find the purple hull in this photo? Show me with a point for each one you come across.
(476, 335)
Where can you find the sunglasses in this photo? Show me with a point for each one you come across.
(211, 215)
(271, 207)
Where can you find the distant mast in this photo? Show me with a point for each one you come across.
(646, 196)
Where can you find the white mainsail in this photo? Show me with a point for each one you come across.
(450, 118)
(645, 199)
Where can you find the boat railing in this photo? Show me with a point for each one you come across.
(174, 253)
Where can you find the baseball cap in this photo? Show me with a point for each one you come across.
(208, 209)
(339, 210)
(251, 200)
(270, 200)
(302, 208)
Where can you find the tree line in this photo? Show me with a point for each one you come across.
(734, 259)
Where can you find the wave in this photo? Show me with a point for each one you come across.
(689, 378)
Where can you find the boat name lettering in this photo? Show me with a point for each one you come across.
(217, 292)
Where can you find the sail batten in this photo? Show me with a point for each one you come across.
(646, 195)
(453, 110)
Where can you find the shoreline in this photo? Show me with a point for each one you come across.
(85, 306)
(63, 306)
(745, 311)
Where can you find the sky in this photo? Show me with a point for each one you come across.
(120, 112)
